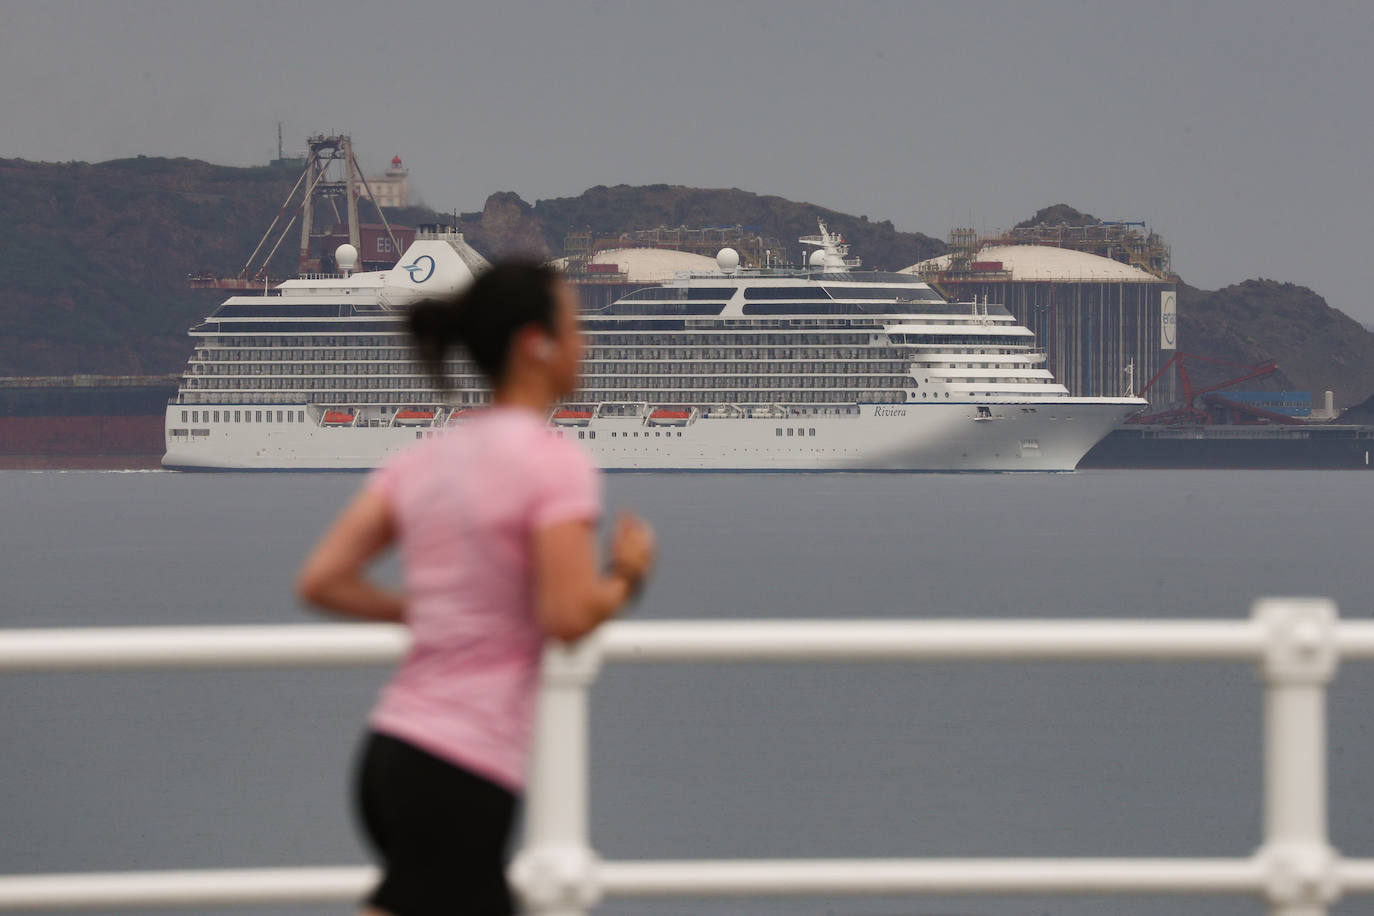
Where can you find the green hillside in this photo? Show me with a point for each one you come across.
(94, 259)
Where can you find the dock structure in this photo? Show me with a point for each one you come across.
(1297, 645)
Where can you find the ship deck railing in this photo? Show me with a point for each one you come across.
(1296, 643)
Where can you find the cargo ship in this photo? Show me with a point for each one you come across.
(1318, 446)
(1217, 427)
(96, 421)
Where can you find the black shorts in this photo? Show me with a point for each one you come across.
(441, 832)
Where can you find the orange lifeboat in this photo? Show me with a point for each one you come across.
(567, 417)
(459, 414)
(337, 418)
(665, 417)
(410, 417)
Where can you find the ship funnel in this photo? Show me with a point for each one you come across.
(432, 268)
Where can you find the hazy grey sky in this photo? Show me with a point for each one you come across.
(1242, 131)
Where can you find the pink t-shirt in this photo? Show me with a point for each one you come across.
(467, 504)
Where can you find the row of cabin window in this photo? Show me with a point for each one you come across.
(727, 339)
(293, 369)
(362, 347)
(332, 342)
(742, 369)
(676, 348)
(743, 352)
(867, 389)
(290, 383)
(651, 361)
(985, 366)
(862, 339)
(649, 350)
(745, 361)
(998, 380)
(242, 416)
(591, 434)
(332, 361)
(736, 382)
(328, 346)
(341, 396)
(795, 431)
(588, 395)
(600, 395)
(667, 360)
(218, 352)
(649, 382)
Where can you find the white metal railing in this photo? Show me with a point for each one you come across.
(1296, 643)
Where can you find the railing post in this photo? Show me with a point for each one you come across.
(555, 873)
(1300, 659)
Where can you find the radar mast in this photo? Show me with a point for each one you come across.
(831, 254)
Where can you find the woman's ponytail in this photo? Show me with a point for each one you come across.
(485, 318)
(436, 326)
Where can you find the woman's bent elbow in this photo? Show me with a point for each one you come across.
(311, 590)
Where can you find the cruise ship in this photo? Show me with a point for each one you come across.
(826, 367)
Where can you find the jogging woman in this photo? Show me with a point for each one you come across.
(495, 522)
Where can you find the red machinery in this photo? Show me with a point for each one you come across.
(1216, 409)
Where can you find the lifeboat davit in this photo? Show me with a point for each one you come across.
(337, 418)
(664, 417)
(566, 417)
(410, 417)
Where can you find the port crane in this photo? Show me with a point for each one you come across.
(1216, 409)
(324, 152)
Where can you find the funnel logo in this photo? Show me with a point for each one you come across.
(421, 269)
(1168, 321)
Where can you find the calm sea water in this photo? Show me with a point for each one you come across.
(179, 770)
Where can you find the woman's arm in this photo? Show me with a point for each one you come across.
(333, 576)
(572, 595)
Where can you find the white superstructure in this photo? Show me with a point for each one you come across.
(825, 368)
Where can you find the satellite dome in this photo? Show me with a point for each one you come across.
(346, 256)
(727, 259)
(818, 258)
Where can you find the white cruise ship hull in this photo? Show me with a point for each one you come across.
(1051, 434)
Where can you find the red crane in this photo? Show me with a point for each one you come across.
(1190, 413)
